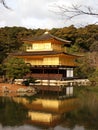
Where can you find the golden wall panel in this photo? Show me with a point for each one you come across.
(53, 60)
(67, 60)
(46, 46)
(62, 59)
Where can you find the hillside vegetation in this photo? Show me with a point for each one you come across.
(84, 40)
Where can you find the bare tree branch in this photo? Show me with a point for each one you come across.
(75, 10)
(4, 4)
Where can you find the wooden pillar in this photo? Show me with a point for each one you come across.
(43, 70)
(42, 93)
(58, 91)
(58, 71)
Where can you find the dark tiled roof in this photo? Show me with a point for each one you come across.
(39, 53)
(36, 53)
(46, 36)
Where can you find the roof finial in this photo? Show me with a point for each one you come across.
(46, 31)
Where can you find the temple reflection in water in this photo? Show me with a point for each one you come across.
(45, 111)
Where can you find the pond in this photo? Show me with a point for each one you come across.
(46, 113)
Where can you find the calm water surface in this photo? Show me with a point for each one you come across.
(38, 113)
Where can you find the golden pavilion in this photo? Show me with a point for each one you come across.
(48, 57)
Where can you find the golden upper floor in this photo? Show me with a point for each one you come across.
(46, 42)
(48, 58)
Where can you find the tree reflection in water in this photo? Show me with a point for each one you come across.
(14, 112)
(11, 113)
(86, 115)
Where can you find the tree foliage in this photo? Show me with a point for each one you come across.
(94, 47)
(1, 69)
(16, 68)
(11, 39)
(84, 70)
(83, 39)
(94, 76)
(28, 81)
(88, 67)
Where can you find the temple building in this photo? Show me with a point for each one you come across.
(48, 57)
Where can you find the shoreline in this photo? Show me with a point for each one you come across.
(11, 87)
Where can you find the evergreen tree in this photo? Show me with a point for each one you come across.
(16, 68)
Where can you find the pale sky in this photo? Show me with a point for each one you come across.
(39, 14)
